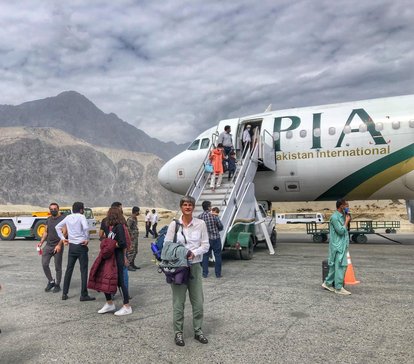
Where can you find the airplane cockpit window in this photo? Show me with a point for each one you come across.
(347, 129)
(317, 132)
(379, 126)
(194, 145)
(302, 133)
(289, 134)
(331, 131)
(362, 128)
(411, 123)
(205, 143)
(395, 125)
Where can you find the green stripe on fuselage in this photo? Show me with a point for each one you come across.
(344, 187)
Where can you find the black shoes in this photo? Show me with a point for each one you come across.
(131, 268)
(179, 340)
(135, 267)
(56, 288)
(86, 298)
(49, 286)
(201, 338)
(64, 297)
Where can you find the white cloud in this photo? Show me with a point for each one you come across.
(175, 68)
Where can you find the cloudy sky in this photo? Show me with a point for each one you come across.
(174, 68)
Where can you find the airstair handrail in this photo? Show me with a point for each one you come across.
(201, 172)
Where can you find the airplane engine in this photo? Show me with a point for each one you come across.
(410, 210)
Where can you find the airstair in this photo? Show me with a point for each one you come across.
(236, 196)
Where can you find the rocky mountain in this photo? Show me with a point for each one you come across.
(76, 115)
(44, 164)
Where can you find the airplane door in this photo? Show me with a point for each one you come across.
(268, 150)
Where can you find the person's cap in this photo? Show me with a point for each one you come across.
(248, 126)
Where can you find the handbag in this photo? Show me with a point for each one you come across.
(208, 168)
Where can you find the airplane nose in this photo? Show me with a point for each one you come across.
(163, 176)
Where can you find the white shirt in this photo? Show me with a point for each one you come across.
(246, 136)
(147, 217)
(196, 236)
(154, 218)
(78, 229)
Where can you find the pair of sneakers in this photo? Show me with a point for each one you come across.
(52, 284)
(341, 291)
(124, 310)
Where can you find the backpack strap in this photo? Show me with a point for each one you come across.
(177, 227)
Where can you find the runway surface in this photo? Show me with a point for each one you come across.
(271, 309)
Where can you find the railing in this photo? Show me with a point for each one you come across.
(233, 194)
(201, 178)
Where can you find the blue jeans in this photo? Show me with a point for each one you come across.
(215, 246)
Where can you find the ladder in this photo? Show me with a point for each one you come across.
(235, 197)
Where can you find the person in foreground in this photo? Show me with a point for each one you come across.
(194, 236)
(338, 249)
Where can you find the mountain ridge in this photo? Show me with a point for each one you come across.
(75, 114)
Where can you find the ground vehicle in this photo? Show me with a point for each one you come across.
(245, 234)
(358, 230)
(88, 215)
(28, 227)
(33, 227)
(299, 217)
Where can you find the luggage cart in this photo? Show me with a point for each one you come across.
(358, 230)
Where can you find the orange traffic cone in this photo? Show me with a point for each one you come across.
(349, 274)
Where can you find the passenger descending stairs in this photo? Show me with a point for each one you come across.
(235, 197)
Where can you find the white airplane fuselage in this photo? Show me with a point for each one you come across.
(357, 150)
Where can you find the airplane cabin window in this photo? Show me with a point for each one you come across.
(411, 123)
(379, 126)
(289, 134)
(205, 143)
(347, 129)
(302, 133)
(194, 145)
(317, 132)
(395, 124)
(332, 130)
(362, 128)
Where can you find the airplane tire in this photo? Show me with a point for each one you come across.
(39, 229)
(273, 238)
(247, 253)
(7, 230)
(354, 237)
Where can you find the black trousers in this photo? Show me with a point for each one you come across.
(154, 230)
(77, 251)
(119, 256)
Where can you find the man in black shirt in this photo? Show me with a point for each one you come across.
(53, 248)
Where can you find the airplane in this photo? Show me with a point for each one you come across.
(361, 150)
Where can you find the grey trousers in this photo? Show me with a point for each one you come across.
(46, 257)
(195, 292)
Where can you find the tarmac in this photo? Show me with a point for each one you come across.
(270, 309)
